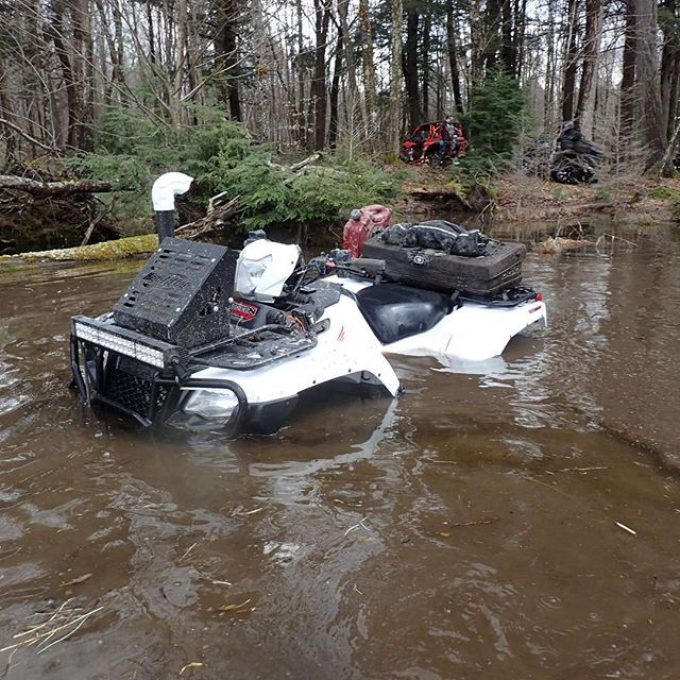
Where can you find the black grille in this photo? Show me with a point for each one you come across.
(134, 392)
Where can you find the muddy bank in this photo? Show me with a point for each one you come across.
(641, 201)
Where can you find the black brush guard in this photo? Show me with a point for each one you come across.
(151, 394)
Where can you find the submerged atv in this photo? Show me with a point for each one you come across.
(207, 337)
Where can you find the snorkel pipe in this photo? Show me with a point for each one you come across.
(163, 193)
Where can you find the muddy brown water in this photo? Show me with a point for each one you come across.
(467, 529)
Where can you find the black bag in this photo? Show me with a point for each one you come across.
(396, 234)
(469, 244)
(440, 235)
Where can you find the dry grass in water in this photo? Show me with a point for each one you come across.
(59, 626)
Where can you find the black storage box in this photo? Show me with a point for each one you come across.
(487, 274)
(182, 294)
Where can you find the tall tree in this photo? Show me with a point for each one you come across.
(335, 90)
(226, 58)
(452, 52)
(570, 61)
(367, 61)
(410, 67)
(322, 16)
(627, 95)
(590, 51)
(396, 106)
(670, 63)
(648, 95)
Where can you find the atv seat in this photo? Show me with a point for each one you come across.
(394, 311)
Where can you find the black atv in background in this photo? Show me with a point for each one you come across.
(575, 158)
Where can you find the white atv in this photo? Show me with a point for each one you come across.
(210, 338)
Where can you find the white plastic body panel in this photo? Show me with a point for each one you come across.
(472, 332)
(347, 349)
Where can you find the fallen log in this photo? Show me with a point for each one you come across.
(107, 250)
(55, 188)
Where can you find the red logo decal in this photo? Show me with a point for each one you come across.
(244, 311)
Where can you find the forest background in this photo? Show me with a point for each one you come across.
(233, 91)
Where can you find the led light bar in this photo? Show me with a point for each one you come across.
(122, 341)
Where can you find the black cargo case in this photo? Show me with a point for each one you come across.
(498, 269)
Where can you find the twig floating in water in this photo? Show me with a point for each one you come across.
(191, 664)
(360, 523)
(625, 528)
(585, 469)
(188, 550)
(76, 581)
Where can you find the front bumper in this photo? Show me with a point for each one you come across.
(155, 397)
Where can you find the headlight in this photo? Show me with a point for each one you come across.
(212, 404)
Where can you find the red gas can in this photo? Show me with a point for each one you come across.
(363, 224)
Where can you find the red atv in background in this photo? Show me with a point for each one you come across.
(436, 143)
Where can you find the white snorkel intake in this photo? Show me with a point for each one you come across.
(163, 193)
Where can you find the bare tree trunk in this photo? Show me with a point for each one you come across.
(226, 57)
(7, 114)
(476, 44)
(178, 75)
(570, 66)
(193, 57)
(368, 65)
(425, 68)
(519, 37)
(550, 73)
(152, 36)
(410, 64)
(647, 85)
(591, 48)
(335, 92)
(670, 60)
(627, 109)
(81, 71)
(508, 50)
(395, 78)
(301, 116)
(492, 18)
(351, 67)
(57, 33)
(452, 51)
(322, 15)
(111, 45)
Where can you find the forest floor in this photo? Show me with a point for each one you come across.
(516, 199)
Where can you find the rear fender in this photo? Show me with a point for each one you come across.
(472, 332)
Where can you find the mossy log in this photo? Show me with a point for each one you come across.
(108, 250)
